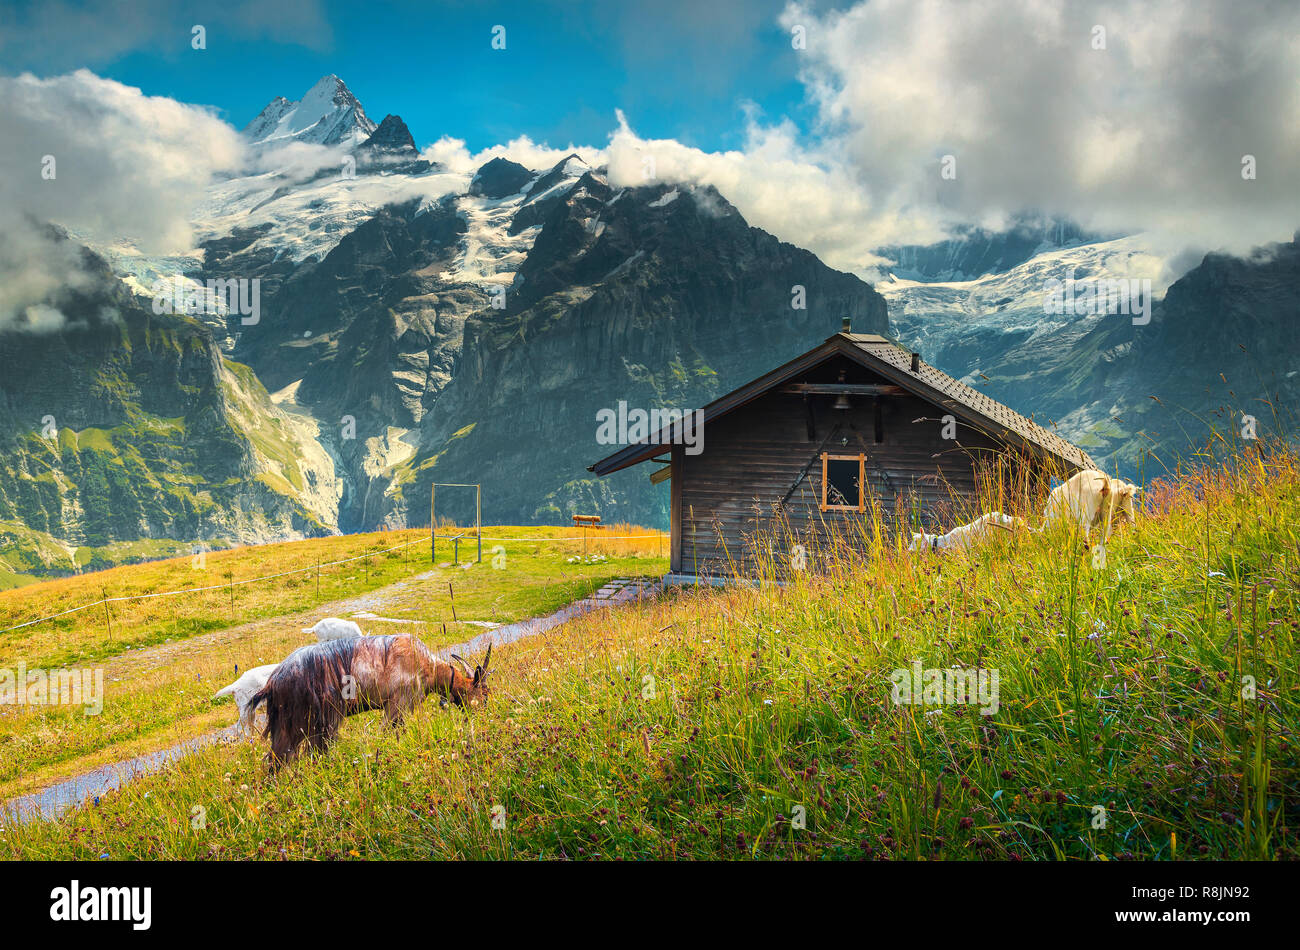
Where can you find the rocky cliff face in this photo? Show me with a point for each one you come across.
(1223, 343)
(660, 296)
(367, 339)
(125, 425)
(500, 178)
(391, 148)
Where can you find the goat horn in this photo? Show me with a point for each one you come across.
(461, 660)
(487, 659)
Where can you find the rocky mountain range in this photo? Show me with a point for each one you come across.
(973, 252)
(1142, 391)
(473, 336)
(420, 325)
(1218, 364)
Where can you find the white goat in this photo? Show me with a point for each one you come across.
(332, 628)
(965, 535)
(243, 689)
(1091, 497)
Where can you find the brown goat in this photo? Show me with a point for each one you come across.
(317, 687)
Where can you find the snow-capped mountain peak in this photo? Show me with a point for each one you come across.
(327, 114)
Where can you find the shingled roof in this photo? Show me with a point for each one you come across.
(895, 364)
(998, 418)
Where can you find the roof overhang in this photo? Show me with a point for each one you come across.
(841, 344)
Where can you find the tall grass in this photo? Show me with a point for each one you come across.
(1147, 710)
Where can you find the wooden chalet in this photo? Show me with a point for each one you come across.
(810, 447)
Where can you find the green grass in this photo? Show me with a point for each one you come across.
(770, 731)
(156, 681)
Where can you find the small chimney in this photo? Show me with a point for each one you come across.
(846, 325)
(916, 362)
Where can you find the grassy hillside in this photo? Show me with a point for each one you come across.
(167, 655)
(758, 722)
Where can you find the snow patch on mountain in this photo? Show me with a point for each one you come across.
(308, 219)
(559, 180)
(146, 275)
(139, 271)
(939, 316)
(287, 424)
(489, 254)
(387, 451)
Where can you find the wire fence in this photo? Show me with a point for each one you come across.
(231, 584)
(226, 586)
(594, 537)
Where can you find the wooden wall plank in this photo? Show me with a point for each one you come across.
(726, 496)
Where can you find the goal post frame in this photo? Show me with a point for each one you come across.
(433, 518)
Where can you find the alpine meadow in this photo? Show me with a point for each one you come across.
(860, 432)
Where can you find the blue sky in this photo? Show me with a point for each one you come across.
(1135, 135)
(682, 70)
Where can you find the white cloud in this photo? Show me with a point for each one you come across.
(125, 166)
(33, 268)
(1147, 134)
(452, 153)
(295, 160)
(774, 181)
(799, 193)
